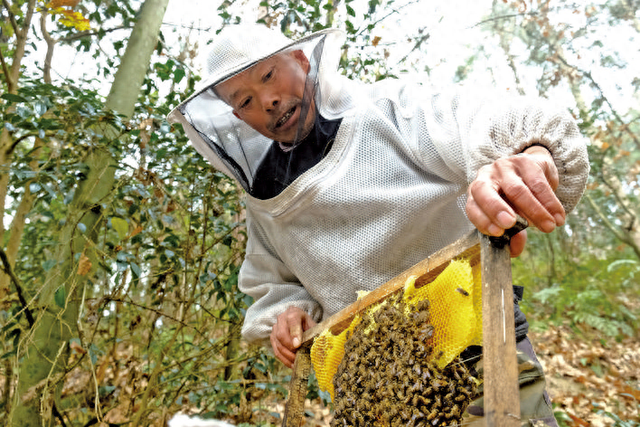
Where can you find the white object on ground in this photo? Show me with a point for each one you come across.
(182, 420)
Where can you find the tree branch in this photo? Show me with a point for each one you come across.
(588, 75)
(51, 42)
(12, 18)
(18, 141)
(5, 70)
(496, 18)
(623, 237)
(616, 191)
(9, 271)
(83, 34)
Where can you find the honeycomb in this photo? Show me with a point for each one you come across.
(390, 374)
(443, 317)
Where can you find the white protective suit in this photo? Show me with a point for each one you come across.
(390, 192)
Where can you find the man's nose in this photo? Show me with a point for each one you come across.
(270, 101)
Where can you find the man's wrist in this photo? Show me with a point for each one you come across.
(537, 149)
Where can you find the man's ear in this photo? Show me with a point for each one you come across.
(302, 59)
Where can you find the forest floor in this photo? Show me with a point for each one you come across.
(592, 381)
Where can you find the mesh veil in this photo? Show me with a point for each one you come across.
(264, 166)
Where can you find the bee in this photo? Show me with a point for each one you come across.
(464, 391)
(432, 415)
(437, 401)
(454, 412)
(448, 399)
(463, 292)
(405, 414)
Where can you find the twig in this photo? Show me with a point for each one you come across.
(12, 17)
(51, 43)
(84, 34)
(496, 18)
(5, 70)
(58, 415)
(588, 75)
(19, 140)
(9, 271)
(393, 11)
(32, 391)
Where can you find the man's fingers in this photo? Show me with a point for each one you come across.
(523, 199)
(488, 211)
(285, 355)
(518, 243)
(286, 335)
(296, 335)
(515, 185)
(534, 199)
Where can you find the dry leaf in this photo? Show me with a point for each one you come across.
(135, 231)
(84, 265)
(61, 3)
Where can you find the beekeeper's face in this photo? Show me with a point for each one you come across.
(269, 95)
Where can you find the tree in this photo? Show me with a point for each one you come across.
(587, 272)
(52, 328)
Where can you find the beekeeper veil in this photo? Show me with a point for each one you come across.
(258, 113)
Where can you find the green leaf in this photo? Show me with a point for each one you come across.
(121, 226)
(49, 264)
(12, 97)
(178, 75)
(135, 269)
(60, 296)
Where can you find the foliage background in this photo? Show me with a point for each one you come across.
(156, 311)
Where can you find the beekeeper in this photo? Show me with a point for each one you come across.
(349, 184)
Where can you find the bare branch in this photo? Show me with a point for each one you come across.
(51, 42)
(623, 237)
(18, 141)
(83, 34)
(595, 84)
(9, 272)
(497, 18)
(12, 18)
(5, 70)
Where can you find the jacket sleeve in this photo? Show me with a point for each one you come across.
(457, 133)
(273, 287)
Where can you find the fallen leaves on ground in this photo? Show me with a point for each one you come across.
(589, 376)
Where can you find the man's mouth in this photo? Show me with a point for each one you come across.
(285, 117)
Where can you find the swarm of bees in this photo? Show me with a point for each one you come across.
(388, 375)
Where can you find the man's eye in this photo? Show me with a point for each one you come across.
(245, 103)
(267, 76)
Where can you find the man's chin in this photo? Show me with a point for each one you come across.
(290, 137)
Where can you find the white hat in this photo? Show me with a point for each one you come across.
(229, 144)
(240, 47)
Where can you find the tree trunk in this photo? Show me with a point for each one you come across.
(44, 355)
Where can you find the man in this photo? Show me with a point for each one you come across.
(350, 184)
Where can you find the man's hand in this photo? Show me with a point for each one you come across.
(523, 184)
(286, 335)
